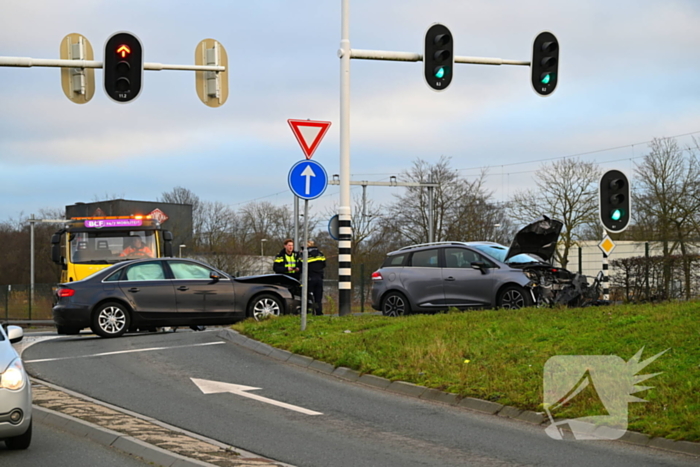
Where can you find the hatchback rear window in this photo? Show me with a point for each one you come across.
(394, 261)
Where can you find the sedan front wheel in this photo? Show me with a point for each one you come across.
(264, 306)
(110, 320)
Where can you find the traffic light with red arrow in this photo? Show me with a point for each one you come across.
(123, 67)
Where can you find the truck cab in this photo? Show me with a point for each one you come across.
(86, 245)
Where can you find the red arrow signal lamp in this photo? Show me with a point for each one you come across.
(123, 50)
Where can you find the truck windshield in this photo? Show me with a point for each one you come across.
(109, 247)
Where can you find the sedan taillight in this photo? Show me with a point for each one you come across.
(377, 276)
(62, 293)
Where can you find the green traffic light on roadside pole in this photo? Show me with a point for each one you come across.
(616, 214)
(546, 78)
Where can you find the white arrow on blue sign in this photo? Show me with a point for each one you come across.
(308, 179)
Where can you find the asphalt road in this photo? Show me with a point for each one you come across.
(357, 425)
(56, 448)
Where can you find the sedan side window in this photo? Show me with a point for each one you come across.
(145, 272)
(425, 259)
(183, 270)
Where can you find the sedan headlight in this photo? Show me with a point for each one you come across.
(14, 377)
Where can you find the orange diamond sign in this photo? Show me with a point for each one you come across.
(607, 245)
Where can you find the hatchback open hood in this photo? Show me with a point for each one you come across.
(539, 239)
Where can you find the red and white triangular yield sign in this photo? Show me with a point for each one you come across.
(309, 133)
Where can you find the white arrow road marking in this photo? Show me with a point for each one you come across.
(308, 173)
(213, 387)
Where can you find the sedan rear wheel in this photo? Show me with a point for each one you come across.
(265, 306)
(110, 320)
(513, 298)
(395, 304)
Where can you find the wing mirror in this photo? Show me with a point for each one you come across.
(480, 265)
(214, 276)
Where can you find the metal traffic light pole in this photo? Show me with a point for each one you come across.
(26, 62)
(346, 53)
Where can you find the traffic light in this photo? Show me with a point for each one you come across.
(615, 203)
(123, 67)
(545, 63)
(438, 59)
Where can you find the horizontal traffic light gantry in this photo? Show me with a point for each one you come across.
(438, 57)
(123, 67)
(615, 203)
(545, 63)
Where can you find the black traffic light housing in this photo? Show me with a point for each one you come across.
(615, 202)
(438, 59)
(545, 63)
(123, 67)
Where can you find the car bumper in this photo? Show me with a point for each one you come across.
(11, 401)
(73, 316)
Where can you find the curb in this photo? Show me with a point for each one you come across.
(110, 438)
(198, 445)
(434, 395)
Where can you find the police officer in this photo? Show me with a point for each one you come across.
(288, 261)
(317, 263)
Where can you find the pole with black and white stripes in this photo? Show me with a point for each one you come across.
(606, 288)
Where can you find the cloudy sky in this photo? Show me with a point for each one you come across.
(630, 72)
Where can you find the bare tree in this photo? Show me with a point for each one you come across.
(461, 209)
(566, 190)
(667, 199)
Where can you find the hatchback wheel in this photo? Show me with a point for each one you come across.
(264, 306)
(110, 320)
(395, 304)
(513, 297)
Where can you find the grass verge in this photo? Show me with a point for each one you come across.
(499, 355)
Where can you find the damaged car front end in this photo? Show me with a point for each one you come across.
(532, 251)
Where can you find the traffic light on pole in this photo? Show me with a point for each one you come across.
(123, 67)
(615, 203)
(438, 59)
(545, 63)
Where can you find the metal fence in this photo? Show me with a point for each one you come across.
(639, 272)
(20, 304)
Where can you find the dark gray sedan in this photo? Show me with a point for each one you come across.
(150, 293)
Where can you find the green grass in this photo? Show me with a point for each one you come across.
(507, 350)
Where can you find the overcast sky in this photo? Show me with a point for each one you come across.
(629, 72)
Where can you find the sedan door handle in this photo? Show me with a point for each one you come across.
(449, 278)
(183, 288)
(134, 289)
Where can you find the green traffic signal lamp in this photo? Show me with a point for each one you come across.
(544, 65)
(615, 206)
(438, 57)
(546, 78)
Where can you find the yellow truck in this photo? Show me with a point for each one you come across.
(85, 245)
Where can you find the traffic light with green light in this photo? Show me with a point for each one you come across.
(545, 63)
(123, 67)
(615, 202)
(438, 59)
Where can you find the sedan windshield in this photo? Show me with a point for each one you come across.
(499, 253)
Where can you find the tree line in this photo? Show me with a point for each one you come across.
(666, 200)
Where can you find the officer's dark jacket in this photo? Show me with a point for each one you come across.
(317, 263)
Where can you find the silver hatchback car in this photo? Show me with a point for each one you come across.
(15, 393)
(443, 275)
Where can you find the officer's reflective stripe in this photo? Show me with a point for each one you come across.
(317, 258)
(278, 260)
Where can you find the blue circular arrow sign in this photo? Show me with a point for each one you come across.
(308, 179)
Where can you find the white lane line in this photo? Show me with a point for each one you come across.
(121, 352)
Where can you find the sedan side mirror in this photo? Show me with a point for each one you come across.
(480, 265)
(15, 334)
(214, 276)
